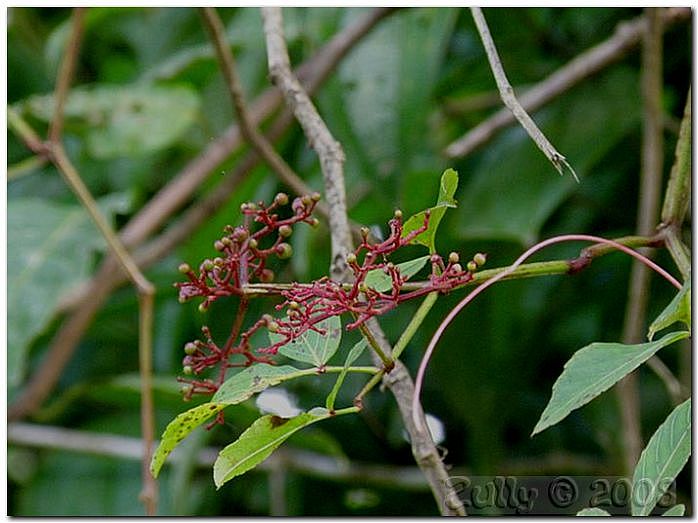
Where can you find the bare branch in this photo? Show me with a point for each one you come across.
(321, 140)
(509, 99)
(626, 36)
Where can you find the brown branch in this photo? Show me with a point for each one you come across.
(65, 74)
(627, 391)
(321, 140)
(331, 156)
(507, 93)
(626, 36)
(168, 200)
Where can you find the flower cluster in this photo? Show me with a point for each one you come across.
(244, 259)
(307, 305)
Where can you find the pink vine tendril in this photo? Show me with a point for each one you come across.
(470, 297)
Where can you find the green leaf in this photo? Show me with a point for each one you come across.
(252, 380)
(665, 455)
(235, 390)
(178, 429)
(39, 271)
(678, 310)
(125, 120)
(593, 511)
(447, 189)
(594, 369)
(381, 282)
(257, 443)
(312, 347)
(676, 510)
(354, 353)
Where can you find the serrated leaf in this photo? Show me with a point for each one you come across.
(313, 347)
(124, 120)
(252, 380)
(257, 443)
(593, 511)
(354, 353)
(594, 369)
(665, 455)
(378, 280)
(447, 190)
(178, 429)
(235, 390)
(678, 310)
(676, 510)
(39, 271)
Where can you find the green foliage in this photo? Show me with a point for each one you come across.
(447, 189)
(39, 273)
(593, 370)
(258, 442)
(676, 510)
(593, 512)
(313, 347)
(380, 281)
(678, 310)
(665, 455)
(354, 353)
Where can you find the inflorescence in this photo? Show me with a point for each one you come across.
(243, 260)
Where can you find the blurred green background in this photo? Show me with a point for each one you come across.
(148, 97)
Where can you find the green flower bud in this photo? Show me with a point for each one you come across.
(208, 265)
(285, 231)
(453, 257)
(218, 245)
(307, 200)
(456, 267)
(351, 258)
(480, 258)
(273, 326)
(187, 370)
(281, 198)
(294, 305)
(184, 268)
(190, 348)
(252, 244)
(363, 287)
(284, 251)
(203, 307)
(315, 196)
(397, 214)
(314, 222)
(472, 266)
(267, 276)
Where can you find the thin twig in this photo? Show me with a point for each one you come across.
(507, 93)
(65, 74)
(626, 37)
(167, 201)
(627, 390)
(321, 140)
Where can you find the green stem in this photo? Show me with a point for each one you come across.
(388, 362)
(25, 167)
(370, 384)
(414, 324)
(346, 410)
(678, 189)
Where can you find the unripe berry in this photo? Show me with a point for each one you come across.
(281, 198)
(315, 196)
(284, 250)
(294, 305)
(397, 214)
(472, 266)
(190, 348)
(306, 199)
(480, 258)
(267, 276)
(203, 307)
(285, 231)
(453, 257)
(351, 258)
(184, 268)
(187, 370)
(252, 244)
